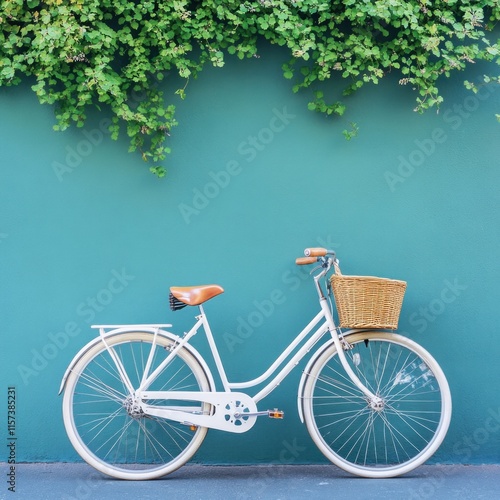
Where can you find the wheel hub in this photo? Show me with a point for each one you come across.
(133, 407)
(376, 404)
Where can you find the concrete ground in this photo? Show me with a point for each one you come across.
(276, 482)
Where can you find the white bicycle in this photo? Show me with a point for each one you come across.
(139, 400)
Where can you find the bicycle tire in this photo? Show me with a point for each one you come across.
(100, 424)
(388, 441)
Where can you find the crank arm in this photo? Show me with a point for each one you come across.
(269, 413)
(248, 414)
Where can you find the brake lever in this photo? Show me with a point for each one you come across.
(324, 264)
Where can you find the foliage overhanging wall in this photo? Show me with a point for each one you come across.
(100, 52)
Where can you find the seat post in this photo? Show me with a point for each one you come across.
(213, 348)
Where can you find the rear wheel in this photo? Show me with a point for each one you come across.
(109, 431)
(393, 435)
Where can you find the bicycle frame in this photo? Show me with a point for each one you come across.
(321, 324)
(202, 321)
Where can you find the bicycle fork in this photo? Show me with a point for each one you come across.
(374, 401)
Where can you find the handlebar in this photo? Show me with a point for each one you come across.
(325, 258)
(313, 255)
(302, 261)
(315, 252)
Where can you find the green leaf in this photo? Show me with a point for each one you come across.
(8, 72)
(160, 172)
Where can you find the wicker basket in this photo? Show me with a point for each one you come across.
(366, 301)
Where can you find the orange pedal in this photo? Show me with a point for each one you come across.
(276, 413)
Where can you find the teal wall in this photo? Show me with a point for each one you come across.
(87, 235)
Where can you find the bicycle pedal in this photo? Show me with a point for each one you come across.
(276, 413)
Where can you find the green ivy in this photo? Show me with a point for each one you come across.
(106, 53)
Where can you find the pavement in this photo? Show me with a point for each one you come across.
(62, 481)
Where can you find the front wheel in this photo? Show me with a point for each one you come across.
(108, 430)
(392, 437)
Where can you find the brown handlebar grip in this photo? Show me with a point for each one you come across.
(315, 252)
(302, 261)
